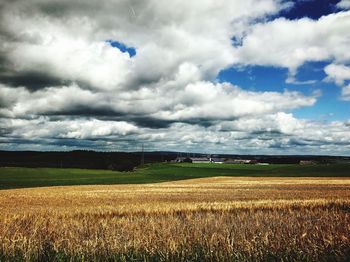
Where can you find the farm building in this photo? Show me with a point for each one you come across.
(198, 160)
(217, 160)
(306, 162)
(240, 161)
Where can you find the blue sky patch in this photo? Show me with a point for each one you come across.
(122, 47)
(272, 79)
(313, 9)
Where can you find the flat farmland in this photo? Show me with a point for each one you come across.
(20, 177)
(203, 219)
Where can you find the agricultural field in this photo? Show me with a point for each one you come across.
(218, 218)
(15, 177)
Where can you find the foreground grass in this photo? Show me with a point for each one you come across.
(38, 177)
(208, 219)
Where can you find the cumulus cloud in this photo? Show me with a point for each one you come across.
(67, 39)
(63, 84)
(291, 43)
(346, 93)
(344, 4)
(337, 73)
(194, 102)
(76, 128)
(273, 133)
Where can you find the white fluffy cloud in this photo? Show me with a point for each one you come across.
(76, 129)
(346, 93)
(196, 101)
(344, 4)
(291, 43)
(273, 133)
(66, 39)
(337, 73)
(62, 83)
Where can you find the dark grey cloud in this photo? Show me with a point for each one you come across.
(77, 110)
(5, 131)
(267, 132)
(32, 81)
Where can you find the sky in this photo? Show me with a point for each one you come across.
(209, 76)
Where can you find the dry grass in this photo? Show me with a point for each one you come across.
(211, 219)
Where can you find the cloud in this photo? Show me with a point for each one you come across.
(67, 39)
(344, 4)
(273, 133)
(194, 102)
(346, 93)
(64, 85)
(291, 43)
(337, 73)
(71, 129)
(97, 64)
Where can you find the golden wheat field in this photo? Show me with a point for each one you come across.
(211, 219)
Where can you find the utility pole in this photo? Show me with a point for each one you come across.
(142, 156)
